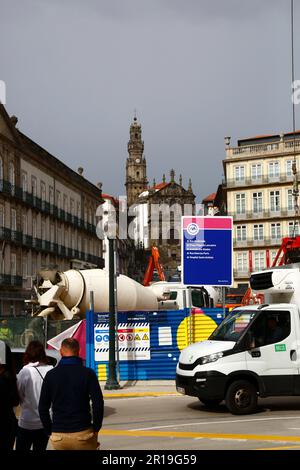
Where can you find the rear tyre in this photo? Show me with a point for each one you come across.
(210, 403)
(241, 397)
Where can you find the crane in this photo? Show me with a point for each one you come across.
(153, 263)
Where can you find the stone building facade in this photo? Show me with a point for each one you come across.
(259, 192)
(47, 215)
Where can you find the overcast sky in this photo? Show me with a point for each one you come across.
(195, 70)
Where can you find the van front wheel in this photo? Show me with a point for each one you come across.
(241, 397)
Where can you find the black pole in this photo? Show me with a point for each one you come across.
(112, 383)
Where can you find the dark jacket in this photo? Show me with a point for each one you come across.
(68, 389)
(8, 422)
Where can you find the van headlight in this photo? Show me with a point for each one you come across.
(211, 358)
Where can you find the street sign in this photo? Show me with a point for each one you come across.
(207, 251)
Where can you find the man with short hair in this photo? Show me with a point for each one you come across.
(68, 389)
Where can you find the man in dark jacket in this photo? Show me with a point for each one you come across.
(68, 390)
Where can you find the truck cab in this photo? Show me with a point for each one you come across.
(254, 352)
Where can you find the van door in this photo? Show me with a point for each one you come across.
(272, 354)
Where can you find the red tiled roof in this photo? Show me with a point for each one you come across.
(111, 198)
(209, 198)
(268, 135)
(160, 186)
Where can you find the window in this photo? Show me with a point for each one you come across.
(242, 261)
(58, 199)
(65, 203)
(79, 210)
(34, 186)
(275, 201)
(241, 233)
(13, 222)
(13, 264)
(197, 298)
(43, 230)
(293, 229)
(43, 191)
(33, 264)
(79, 243)
(24, 182)
(12, 173)
(59, 236)
(24, 267)
(289, 167)
(257, 202)
(259, 260)
(275, 231)
(274, 169)
(273, 254)
(72, 206)
(52, 230)
(137, 174)
(256, 171)
(51, 195)
(290, 201)
(24, 224)
(1, 168)
(240, 203)
(2, 219)
(269, 328)
(239, 173)
(34, 228)
(258, 232)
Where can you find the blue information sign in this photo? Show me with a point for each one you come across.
(207, 251)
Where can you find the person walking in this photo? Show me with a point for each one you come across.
(29, 381)
(9, 398)
(68, 389)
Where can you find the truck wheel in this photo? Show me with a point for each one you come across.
(210, 403)
(241, 398)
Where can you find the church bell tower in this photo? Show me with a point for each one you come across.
(136, 168)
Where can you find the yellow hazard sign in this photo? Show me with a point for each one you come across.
(145, 337)
(137, 338)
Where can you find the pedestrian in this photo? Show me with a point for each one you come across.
(68, 389)
(29, 381)
(5, 332)
(8, 399)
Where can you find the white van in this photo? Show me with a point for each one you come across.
(176, 296)
(254, 352)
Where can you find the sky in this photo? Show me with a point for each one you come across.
(194, 70)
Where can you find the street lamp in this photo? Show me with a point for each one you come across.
(112, 383)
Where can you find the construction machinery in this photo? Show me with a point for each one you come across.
(153, 263)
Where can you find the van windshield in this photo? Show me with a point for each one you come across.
(233, 326)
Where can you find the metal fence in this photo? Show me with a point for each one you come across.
(19, 331)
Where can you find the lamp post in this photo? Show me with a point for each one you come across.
(112, 383)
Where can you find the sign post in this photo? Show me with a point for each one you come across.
(207, 251)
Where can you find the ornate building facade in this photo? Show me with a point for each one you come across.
(158, 207)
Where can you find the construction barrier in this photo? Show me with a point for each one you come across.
(149, 343)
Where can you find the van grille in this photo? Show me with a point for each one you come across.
(261, 281)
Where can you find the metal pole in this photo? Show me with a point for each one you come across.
(116, 310)
(223, 300)
(190, 311)
(112, 383)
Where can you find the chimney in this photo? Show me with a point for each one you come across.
(80, 170)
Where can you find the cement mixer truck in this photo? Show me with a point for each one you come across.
(64, 295)
(254, 352)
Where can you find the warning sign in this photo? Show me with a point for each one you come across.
(133, 337)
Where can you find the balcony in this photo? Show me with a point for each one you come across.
(5, 234)
(243, 273)
(7, 188)
(255, 243)
(16, 236)
(263, 180)
(46, 207)
(8, 280)
(27, 241)
(272, 148)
